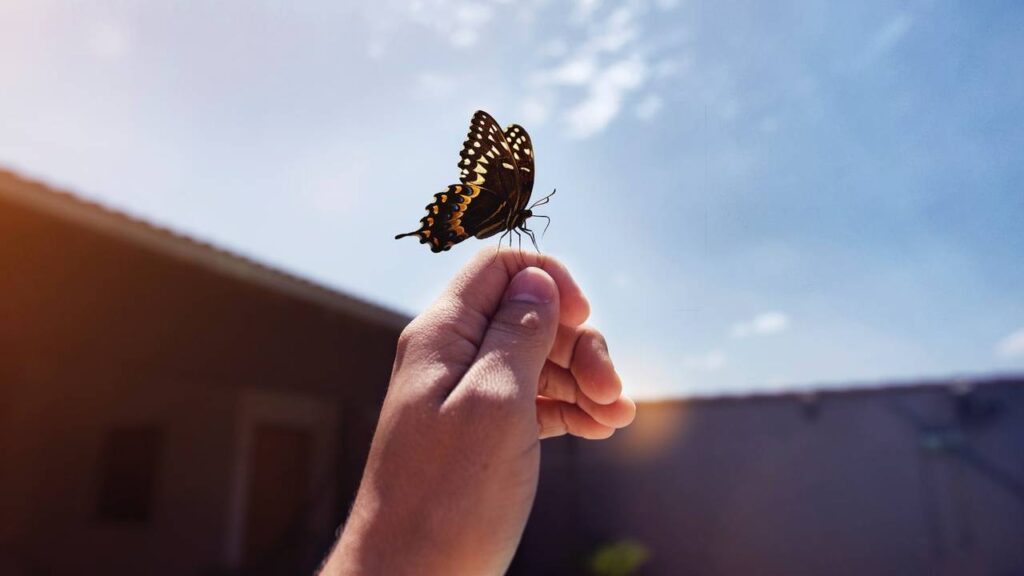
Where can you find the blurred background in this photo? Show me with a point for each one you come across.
(799, 225)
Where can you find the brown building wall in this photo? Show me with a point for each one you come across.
(97, 333)
(893, 481)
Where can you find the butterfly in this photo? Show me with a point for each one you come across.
(497, 171)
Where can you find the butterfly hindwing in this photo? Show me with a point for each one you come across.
(461, 211)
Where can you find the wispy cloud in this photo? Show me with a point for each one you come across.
(605, 95)
(585, 9)
(711, 361)
(468, 19)
(461, 23)
(595, 78)
(1012, 346)
(763, 324)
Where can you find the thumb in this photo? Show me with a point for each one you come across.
(518, 338)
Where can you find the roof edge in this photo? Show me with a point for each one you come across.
(38, 196)
(810, 393)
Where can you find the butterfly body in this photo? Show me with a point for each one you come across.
(496, 173)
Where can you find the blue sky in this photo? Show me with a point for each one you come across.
(755, 196)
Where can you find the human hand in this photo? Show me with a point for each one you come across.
(501, 360)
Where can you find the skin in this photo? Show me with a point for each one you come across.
(500, 361)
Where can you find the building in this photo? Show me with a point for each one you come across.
(170, 408)
(903, 480)
(167, 407)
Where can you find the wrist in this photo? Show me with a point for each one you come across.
(368, 545)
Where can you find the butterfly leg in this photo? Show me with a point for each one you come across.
(532, 239)
(500, 240)
(548, 218)
(520, 237)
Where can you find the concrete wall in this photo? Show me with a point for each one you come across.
(97, 333)
(922, 480)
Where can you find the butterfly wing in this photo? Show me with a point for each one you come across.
(487, 160)
(461, 211)
(522, 154)
(491, 193)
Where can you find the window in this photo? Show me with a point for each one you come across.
(129, 467)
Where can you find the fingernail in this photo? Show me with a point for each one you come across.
(530, 285)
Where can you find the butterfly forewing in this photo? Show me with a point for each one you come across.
(486, 159)
(522, 154)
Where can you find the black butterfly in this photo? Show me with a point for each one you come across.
(497, 179)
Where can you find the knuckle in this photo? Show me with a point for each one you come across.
(592, 338)
(406, 337)
(490, 399)
(409, 336)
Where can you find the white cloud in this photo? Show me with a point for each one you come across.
(763, 324)
(597, 75)
(617, 31)
(573, 72)
(649, 107)
(605, 95)
(585, 9)
(1012, 346)
(534, 110)
(598, 64)
(711, 361)
(460, 22)
(469, 18)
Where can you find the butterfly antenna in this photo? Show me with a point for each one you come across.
(543, 200)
